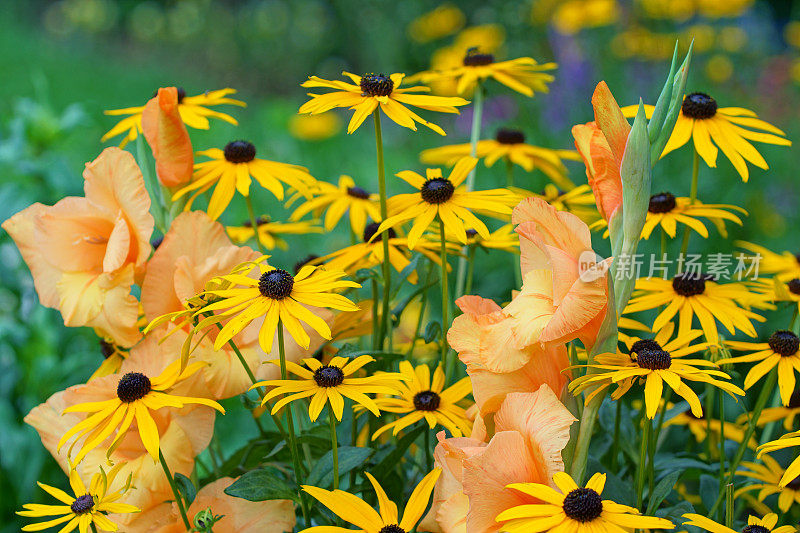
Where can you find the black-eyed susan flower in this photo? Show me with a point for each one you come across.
(233, 169)
(780, 350)
(666, 211)
(275, 295)
(768, 474)
(193, 110)
(569, 507)
(373, 91)
(754, 524)
(446, 199)
(789, 440)
(509, 145)
(113, 355)
(693, 294)
(269, 231)
(653, 362)
(423, 397)
(785, 265)
(786, 414)
(338, 200)
(730, 128)
(523, 75)
(330, 383)
(135, 396)
(357, 512)
(86, 509)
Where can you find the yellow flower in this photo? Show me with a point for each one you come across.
(699, 427)
(504, 238)
(274, 295)
(785, 265)
(787, 414)
(730, 128)
(578, 200)
(770, 474)
(314, 127)
(573, 508)
(781, 350)
(435, 24)
(269, 231)
(762, 525)
(233, 169)
(336, 200)
(86, 509)
(372, 91)
(446, 199)
(423, 398)
(356, 511)
(134, 397)
(509, 145)
(693, 294)
(113, 355)
(330, 383)
(193, 110)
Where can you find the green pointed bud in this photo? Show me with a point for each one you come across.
(675, 101)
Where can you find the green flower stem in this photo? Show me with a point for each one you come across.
(445, 302)
(422, 307)
(428, 455)
(692, 198)
(642, 466)
(721, 438)
(376, 328)
(290, 425)
(615, 442)
(385, 328)
(175, 492)
(729, 505)
(334, 448)
(470, 267)
(254, 223)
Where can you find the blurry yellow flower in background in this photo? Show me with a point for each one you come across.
(503, 238)
(314, 127)
(789, 440)
(435, 24)
(787, 415)
(762, 525)
(785, 265)
(372, 91)
(729, 8)
(233, 169)
(572, 16)
(700, 427)
(719, 68)
(269, 232)
(193, 110)
(769, 473)
(338, 200)
(579, 201)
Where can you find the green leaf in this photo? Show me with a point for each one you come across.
(676, 101)
(261, 485)
(350, 457)
(662, 490)
(389, 462)
(432, 331)
(709, 488)
(664, 100)
(185, 487)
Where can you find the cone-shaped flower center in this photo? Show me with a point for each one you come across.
(370, 230)
(328, 376)
(784, 343)
(755, 529)
(583, 505)
(83, 504)
(644, 344)
(654, 359)
(474, 58)
(794, 286)
(133, 386)
(689, 283)
(376, 85)
(662, 202)
(240, 152)
(392, 528)
(358, 192)
(699, 106)
(509, 136)
(276, 284)
(437, 190)
(426, 401)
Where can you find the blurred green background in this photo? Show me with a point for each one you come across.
(64, 62)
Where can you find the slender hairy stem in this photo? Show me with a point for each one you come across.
(254, 223)
(175, 492)
(334, 448)
(385, 329)
(692, 199)
(445, 302)
(642, 472)
(729, 505)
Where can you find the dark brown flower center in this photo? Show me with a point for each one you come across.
(699, 106)
(662, 202)
(260, 221)
(644, 344)
(437, 190)
(371, 228)
(133, 386)
(654, 359)
(583, 505)
(690, 283)
(426, 401)
(392, 528)
(106, 348)
(471, 232)
(755, 529)
(509, 136)
(475, 58)
(276, 284)
(376, 85)
(328, 376)
(358, 192)
(82, 505)
(303, 262)
(794, 286)
(784, 343)
(240, 152)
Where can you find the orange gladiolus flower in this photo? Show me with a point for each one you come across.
(168, 139)
(84, 252)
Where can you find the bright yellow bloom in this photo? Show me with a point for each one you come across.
(572, 508)
(423, 398)
(233, 169)
(769, 473)
(269, 232)
(113, 356)
(330, 383)
(579, 201)
(372, 91)
(356, 511)
(437, 23)
(446, 199)
(338, 200)
(193, 110)
(314, 127)
(785, 265)
(789, 440)
(766, 524)
(134, 397)
(86, 509)
(699, 427)
(730, 128)
(787, 415)
(272, 296)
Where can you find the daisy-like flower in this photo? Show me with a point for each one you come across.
(193, 110)
(578, 200)
(446, 199)
(113, 355)
(330, 383)
(275, 295)
(338, 200)
(233, 169)
(789, 440)
(369, 92)
(423, 398)
(754, 524)
(524, 75)
(693, 294)
(135, 396)
(730, 128)
(653, 362)
(87, 509)
(510, 145)
(356, 511)
(269, 231)
(780, 350)
(666, 210)
(769, 473)
(785, 265)
(786, 414)
(573, 508)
